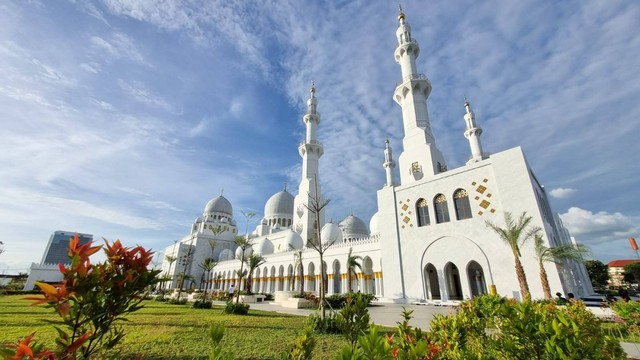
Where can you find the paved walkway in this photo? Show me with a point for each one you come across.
(386, 314)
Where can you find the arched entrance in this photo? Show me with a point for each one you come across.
(311, 278)
(280, 278)
(452, 277)
(367, 276)
(432, 284)
(337, 281)
(477, 283)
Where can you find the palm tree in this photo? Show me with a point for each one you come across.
(515, 234)
(170, 259)
(556, 255)
(207, 265)
(352, 264)
(243, 243)
(253, 262)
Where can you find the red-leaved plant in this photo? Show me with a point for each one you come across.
(90, 300)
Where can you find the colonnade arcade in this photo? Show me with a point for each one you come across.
(269, 279)
(454, 283)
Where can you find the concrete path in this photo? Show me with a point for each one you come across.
(382, 314)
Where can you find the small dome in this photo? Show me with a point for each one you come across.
(265, 247)
(247, 252)
(373, 224)
(331, 233)
(198, 220)
(225, 254)
(219, 205)
(293, 240)
(279, 204)
(352, 225)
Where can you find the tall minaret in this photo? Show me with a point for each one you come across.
(473, 133)
(310, 150)
(389, 164)
(420, 156)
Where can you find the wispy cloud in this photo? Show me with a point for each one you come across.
(118, 46)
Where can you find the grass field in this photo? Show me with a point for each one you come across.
(162, 331)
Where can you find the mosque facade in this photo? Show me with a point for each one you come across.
(428, 241)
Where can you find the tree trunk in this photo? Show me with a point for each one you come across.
(522, 279)
(322, 286)
(545, 282)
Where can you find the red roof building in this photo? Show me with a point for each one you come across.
(616, 271)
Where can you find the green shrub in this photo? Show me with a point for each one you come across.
(328, 325)
(541, 331)
(237, 309)
(198, 304)
(353, 319)
(176, 301)
(628, 311)
(161, 298)
(302, 347)
(337, 301)
(216, 332)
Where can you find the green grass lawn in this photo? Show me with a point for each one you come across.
(162, 331)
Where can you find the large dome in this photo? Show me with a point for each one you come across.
(279, 204)
(352, 225)
(219, 205)
(373, 224)
(331, 233)
(293, 241)
(265, 247)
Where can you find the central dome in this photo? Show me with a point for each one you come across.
(353, 226)
(279, 204)
(219, 205)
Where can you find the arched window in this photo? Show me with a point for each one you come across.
(422, 209)
(461, 202)
(442, 211)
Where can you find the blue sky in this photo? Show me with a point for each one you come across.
(123, 118)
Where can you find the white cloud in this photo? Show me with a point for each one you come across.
(142, 94)
(598, 227)
(91, 67)
(199, 129)
(236, 108)
(119, 46)
(562, 193)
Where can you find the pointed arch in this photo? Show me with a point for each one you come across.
(337, 277)
(422, 211)
(461, 203)
(441, 208)
(432, 283)
(477, 283)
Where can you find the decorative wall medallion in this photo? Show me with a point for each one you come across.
(484, 204)
(481, 189)
(405, 207)
(406, 219)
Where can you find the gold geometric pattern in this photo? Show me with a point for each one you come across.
(405, 207)
(406, 219)
(485, 195)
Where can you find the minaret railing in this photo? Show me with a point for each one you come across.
(413, 77)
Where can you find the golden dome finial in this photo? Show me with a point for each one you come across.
(401, 15)
(313, 87)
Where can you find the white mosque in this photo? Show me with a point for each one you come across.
(427, 242)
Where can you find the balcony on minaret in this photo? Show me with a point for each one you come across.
(311, 146)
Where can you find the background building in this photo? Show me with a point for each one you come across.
(57, 252)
